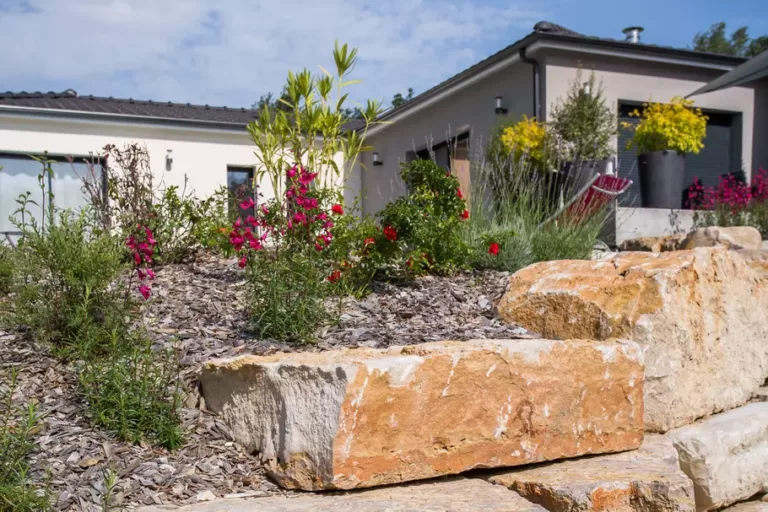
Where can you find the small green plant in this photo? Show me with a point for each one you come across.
(68, 287)
(7, 269)
(426, 224)
(134, 391)
(582, 123)
(17, 424)
(675, 126)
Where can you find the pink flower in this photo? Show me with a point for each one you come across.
(150, 273)
(318, 246)
(291, 172)
(136, 258)
(242, 262)
(255, 244)
(131, 242)
(337, 209)
(322, 216)
(141, 274)
(307, 177)
(310, 204)
(237, 223)
(145, 290)
(251, 220)
(247, 204)
(264, 209)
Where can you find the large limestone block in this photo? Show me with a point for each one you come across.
(701, 317)
(648, 479)
(735, 237)
(726, 455)
(459, 494)
(360, 418)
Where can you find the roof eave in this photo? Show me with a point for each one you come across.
(123, 118)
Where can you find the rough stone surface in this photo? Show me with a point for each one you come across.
(761, 395)
(701, 317)
(749, 506)
(735, 237)
(653, 243)
(359, 418)
(726, 455)
(460, 494)
(648, 479)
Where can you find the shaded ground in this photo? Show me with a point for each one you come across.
(198, 309)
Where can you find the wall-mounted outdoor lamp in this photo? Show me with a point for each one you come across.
(499, 108)
(586, 89)
(376, 160)
(168, 159)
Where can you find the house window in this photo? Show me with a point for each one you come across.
(19, 174)
(241, 187)
(721, 153)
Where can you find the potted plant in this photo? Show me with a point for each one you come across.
(665, 133)
(584, 127)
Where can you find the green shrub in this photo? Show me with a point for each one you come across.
(515, 220)
(68, 289)
(7, 269)
(583, 123)
(134, 391)
(17, 424)
(426, 224)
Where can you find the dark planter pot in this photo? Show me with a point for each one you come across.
(578, 174)
(662, 179)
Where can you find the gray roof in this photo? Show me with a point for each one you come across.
(70, 103)
(547, 31)
(754, 69)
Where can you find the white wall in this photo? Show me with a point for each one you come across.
(203, 155)
(644, 81)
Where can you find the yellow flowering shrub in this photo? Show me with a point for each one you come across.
(676, 126)
(528, 137)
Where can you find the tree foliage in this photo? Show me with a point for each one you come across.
(739, 43)
(398, 99)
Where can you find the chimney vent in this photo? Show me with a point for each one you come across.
(633, 34)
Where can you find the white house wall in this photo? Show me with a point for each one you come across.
(201, 155)
(472, 108)
(643, 81)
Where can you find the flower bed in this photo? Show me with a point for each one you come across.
(198, 309)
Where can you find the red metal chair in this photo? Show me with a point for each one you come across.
(593, 197)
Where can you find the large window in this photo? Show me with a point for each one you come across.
(19, 174)
(241, 186)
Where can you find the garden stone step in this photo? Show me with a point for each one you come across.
(701, 317)
(360, 418)
(648, 479)
(460, 494)
(749, 506)
(726, 455)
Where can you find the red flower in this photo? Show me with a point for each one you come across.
(369, 241)
(145, 290)
(465, 214)
(243, 262)
(136, 258)
(459, 194)
(337, 209)
(335, 276)
(390, 233)
(493, 249)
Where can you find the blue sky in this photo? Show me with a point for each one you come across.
(229, 52)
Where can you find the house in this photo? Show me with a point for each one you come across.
(207, 145)
(530, 75)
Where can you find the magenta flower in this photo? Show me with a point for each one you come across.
(247, 204)
(242, 262)
(237, 223)
(141, 274)
(145, 291)
(150, 273)
(291, 172)
(255, 244)
(137, 258)
(251, 220)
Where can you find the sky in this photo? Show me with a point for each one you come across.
(230, 52)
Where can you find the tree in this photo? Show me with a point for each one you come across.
(398, 98)
(739, 44)
(273, 102)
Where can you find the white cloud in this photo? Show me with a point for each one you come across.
(229, 52)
